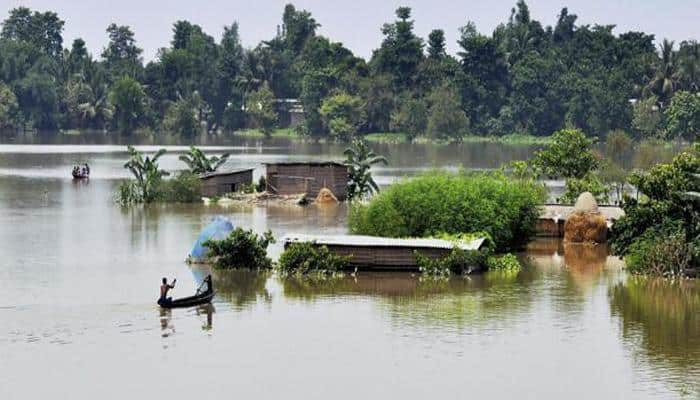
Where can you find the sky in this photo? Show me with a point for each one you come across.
(354, 23)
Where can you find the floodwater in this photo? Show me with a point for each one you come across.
(79, 278)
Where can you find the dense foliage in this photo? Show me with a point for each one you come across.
(148, 177)
(522, 78)
(458, 262)
(241, 249)
(507, 209)
(660, 232)
(304, 258)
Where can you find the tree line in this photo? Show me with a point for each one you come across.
(523, 78)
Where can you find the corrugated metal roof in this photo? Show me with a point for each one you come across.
(314, 163)
(375, 241)
(226, 172)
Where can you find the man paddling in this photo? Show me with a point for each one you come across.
(164, 288)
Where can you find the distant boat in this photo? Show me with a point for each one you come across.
(81, 172)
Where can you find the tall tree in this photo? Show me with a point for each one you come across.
(122, 56)
(401, 51)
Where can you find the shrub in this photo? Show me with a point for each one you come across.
(185, 187)
(127, 193)
(442, 202)
(659, 253)
(304, 258)
(458, 261)
(569, 155)
(262, 185)
(505, 262)
(241, 249)
(589, 183)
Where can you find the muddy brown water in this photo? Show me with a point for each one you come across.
(79, 278)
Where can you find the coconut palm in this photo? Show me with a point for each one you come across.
(360, 159)
(689, 66)
(665, 80)
(198, 163)
(147, 173)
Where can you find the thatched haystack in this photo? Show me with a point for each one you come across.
(326, 196)
(586, 224)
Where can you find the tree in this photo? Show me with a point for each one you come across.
(42, 30)
(683, 116)
(646, 116)
(664, 81)
(446, 119)
(401, 51)
(342, 115)
(569, 155)
(199, 163)
(182, 116)
(122, 56)
(360, 159)
(260, 109)
(411, 117)
(436, 44)
(128, 98)
(8, 107)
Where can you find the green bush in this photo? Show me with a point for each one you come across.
(659, 253)
(261, 185)
(441, 202)
(505, 262)
(241, 249)
(304, 258)
(589, 183)
(185, 187)
(458, 262)
(128, 193)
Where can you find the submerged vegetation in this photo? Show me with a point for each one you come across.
(199, 163)
(242, 249)
(441, 202)
(360, 159)
(660, 231)
(307, 258)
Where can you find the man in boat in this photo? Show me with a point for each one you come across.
(164, 288)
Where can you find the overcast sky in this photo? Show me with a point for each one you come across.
(355, 23)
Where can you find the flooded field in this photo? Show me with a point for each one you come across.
(79, 280)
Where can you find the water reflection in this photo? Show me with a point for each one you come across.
(241, 288)
(660, 323)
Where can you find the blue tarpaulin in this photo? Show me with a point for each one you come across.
(217, 229)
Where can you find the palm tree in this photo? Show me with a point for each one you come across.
(147, 173)
(360, 159)
(198, 163)
(665, 80)
(689, 66)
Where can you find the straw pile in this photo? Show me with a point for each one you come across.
(326, 196)
(586, 224)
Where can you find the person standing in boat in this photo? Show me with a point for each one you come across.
(164, 288)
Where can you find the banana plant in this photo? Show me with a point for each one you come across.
(198, 163)
(147, 172)
(359, 159)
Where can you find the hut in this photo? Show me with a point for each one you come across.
(218, 183)
(381, 253)
(290, 178)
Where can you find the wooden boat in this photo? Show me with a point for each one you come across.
(80, 173)
(198, 299)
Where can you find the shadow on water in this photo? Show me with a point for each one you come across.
(660, 323)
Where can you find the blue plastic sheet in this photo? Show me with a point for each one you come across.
(217, 229)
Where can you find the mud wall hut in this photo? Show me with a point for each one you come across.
(309, 178)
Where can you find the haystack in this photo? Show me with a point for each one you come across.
(326, 196)
(586, 224)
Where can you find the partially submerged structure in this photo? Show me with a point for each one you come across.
(370, 252)
(554, 216)
(307, 178)
(219, 183)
